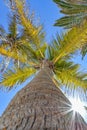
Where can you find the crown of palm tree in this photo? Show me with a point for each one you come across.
(27, 48)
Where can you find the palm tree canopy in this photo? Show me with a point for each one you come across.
(30, 54)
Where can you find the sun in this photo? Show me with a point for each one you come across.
(77, 106)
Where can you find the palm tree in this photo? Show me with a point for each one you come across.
(41, 105)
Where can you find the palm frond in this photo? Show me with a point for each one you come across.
(41, 51)
(31, 30)
(72, 77)
(71, 41)
(11, 54)
(50, 52)
(75, 13)
(66, 64)
(26, 51)
(84, 50)
(12, 26)
(72, 7)
(70, 21)
(25, 48)
(53, 48)
(16, 76)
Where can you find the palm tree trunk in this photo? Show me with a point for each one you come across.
(38, 106)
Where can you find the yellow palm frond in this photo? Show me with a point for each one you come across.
(11, 54)
(72, 40)
(16, 76)
(71, 78)
(32, 31)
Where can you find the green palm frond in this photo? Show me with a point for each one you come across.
(66, 64)
(70, 21)
(84, 50)
(71, 41)
(16, 76)
(26, 51)
(41, 51)
(32, 53)
(75, 13)
(73, 8)
(53, 48)
(71, 77)
(50, 52)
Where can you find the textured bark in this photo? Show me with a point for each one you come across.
(38, 106)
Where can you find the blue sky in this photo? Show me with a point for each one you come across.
(47, 12)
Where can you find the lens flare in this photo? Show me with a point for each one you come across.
(78, 107)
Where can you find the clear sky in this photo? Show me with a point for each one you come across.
(47, 12)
